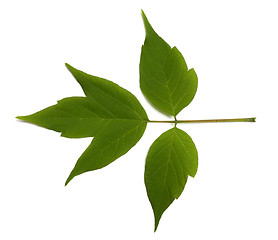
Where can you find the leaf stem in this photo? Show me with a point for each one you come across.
(176, 121)
(207, 120)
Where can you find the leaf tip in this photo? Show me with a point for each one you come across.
(71, 68)
(143, 14)
(22, 118)
(147, 24)
(71, 176)
(68, 180)
(68, 66)
(155, 227)
(157, 219)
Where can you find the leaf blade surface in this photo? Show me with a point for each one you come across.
(107, 147)
(109, 94)
(170, 160)
(109, 113)
(164, 77)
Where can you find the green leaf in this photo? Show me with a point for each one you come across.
(109, 113)
(171, 158)
(116, 120)
(164, 77)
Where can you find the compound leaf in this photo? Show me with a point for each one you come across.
(164, 77)
(170, 160)
(109, 113)
(116, 120)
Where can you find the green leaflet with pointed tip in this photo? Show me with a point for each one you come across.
(164, 77)
(109, 113)
(171, 159)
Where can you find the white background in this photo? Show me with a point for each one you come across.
(232, 45)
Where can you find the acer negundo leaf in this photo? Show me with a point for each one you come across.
(109, 113)
(164, 77)
(170, 160)
(116, 120)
